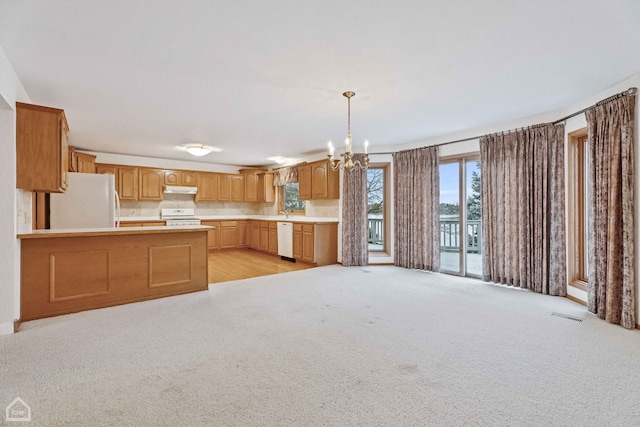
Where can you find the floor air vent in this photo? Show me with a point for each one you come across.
(566, 316)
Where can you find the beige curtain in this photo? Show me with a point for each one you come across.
(523, 209)
(285, 175)
(355, 247)
(611, 255)
(417, 208)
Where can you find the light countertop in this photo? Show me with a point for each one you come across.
(85, 232)
(292, 218)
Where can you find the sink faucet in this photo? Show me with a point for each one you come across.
(285, 213)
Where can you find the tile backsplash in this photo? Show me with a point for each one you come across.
(318, 208)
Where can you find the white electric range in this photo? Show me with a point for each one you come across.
(179, 217)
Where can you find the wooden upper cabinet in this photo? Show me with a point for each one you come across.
(188, 178)
(172, 177)
(304, 182)
(325, 182)
(266, 190)
(224, 188)
(150, 184)
(237, 188)
(127, 182)
(318, 181)
(111, 169)
(85, 163)
(251, 184)
(42, 144)
(208, 184)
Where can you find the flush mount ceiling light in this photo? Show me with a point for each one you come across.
(347, 163)
(199, 149)
(278, 159)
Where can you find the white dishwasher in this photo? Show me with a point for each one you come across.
(285, 239)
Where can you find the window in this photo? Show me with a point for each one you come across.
(460, 216)
(578, 209)
(288, 199)
(377, 216)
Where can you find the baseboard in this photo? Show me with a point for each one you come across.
(579, 301)
(7, 328)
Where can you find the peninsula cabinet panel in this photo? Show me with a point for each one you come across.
(207, 187)
(70, 274)
(150, 182)
(127, 182)
(42, 148)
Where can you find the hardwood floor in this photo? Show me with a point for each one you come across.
(236, 264)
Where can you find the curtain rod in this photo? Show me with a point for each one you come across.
(628, 92)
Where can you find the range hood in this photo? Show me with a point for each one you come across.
(180, 189)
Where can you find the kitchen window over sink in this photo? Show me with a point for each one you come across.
(288, 199)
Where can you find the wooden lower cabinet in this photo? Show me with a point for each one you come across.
(264, 236)
(273, 238)
(297, 241)
(308, 243)
(228, 234)
(254, 235)
(313, 243)
(213, 235)
(243, 234)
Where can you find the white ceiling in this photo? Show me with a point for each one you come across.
(264, 78)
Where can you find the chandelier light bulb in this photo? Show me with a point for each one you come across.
(347, 163)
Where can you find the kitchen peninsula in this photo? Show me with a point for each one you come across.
(66, 271)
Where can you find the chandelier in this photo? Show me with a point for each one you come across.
(347, 163)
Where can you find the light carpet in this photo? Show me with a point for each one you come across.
(335, 346)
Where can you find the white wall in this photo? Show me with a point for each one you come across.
(11, 90)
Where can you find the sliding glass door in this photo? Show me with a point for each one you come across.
(460, 220)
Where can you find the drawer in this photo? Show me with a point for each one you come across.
(297, 227)
(228, 223)
(264, 224)
(307, 228)
(273, 225)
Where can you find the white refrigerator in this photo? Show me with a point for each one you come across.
(90, 201)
